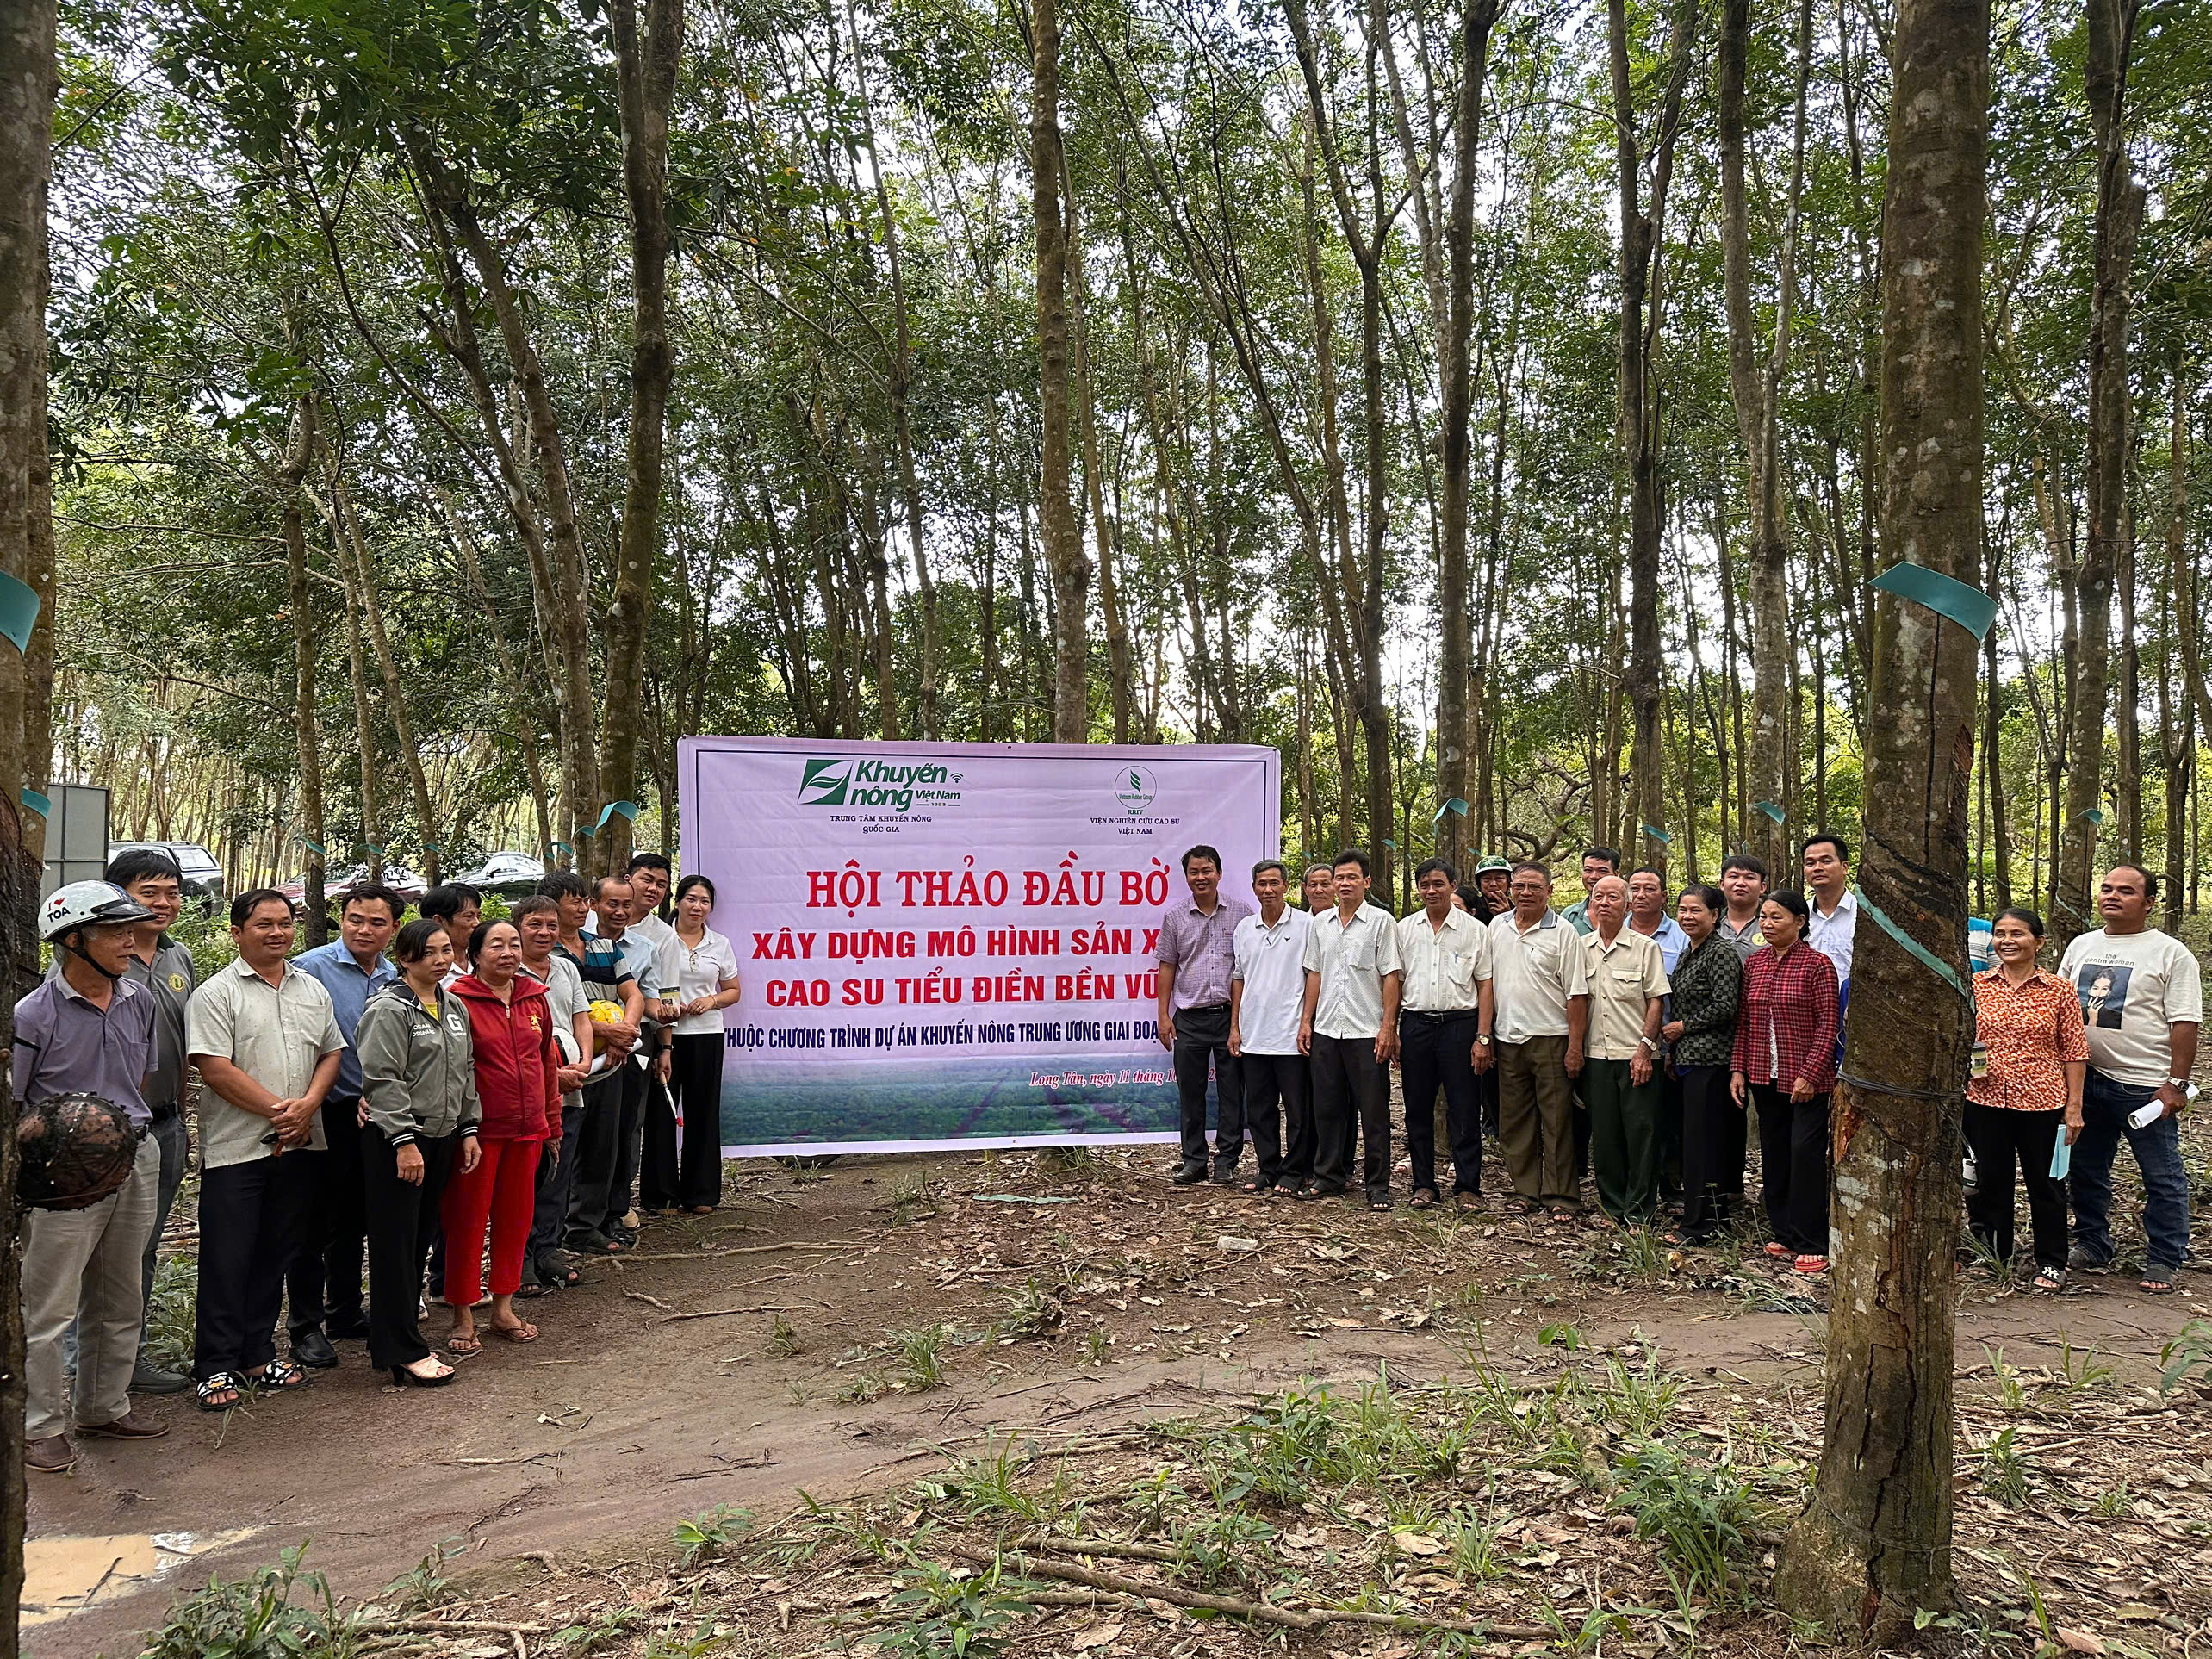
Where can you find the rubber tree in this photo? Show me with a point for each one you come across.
(1873, 1547)
(1063, 536)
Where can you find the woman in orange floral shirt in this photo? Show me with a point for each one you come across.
(2030, 1021)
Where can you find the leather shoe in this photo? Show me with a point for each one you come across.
(313, 1350)
(52, 1456)
(146, 1378)
(1188, 1176)
(353, 1330)
(129, 1426)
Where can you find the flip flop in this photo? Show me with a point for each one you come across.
(2155, 1285)
(525, 1332)
(464, 1344)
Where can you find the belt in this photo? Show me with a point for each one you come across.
(163, 1114)
(1438, 1016)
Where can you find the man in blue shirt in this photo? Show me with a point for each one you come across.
(324, 1284)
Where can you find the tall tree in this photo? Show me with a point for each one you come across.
(646, 56)
(2119, 220)
(1873, 1547)
(1638, 412)
(1063, 538)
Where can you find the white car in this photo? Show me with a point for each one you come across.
(509, 875)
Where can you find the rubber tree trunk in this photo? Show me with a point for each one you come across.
(1063, 538)
(1874, 1545)
(27, 95)
(2119, 218)
(388, 669)
(1455, 658)
(365, 725)
(314, 834)
(646, 59)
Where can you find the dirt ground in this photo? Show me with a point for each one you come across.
(947, 1354)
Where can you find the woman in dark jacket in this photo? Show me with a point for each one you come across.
(1707, 980)
(1784, 1063)
(517, 1073)
(419, 1090)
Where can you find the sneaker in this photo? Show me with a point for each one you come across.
(146, 1378)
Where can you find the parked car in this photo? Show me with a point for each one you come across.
(337, 884)
(510, 875)
(203, 876)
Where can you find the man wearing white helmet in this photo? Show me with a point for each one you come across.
(87, 1030)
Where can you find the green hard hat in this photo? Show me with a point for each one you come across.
(1491, 862)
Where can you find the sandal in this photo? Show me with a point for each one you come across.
(221, 1384)
(2156, 1284)
(1256, 1187)
(1777, 1249)
(2050, 1278)
(525, 1332)
(462, 1344)
(278, 1376)
(1811, 1266)
(1425, 1198)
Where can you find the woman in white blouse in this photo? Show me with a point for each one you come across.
(682, 1166)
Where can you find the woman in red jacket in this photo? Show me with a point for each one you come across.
(518, 1081)
(1784, 1063)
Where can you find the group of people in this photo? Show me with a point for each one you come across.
(468, 1099)
(1639, 1047)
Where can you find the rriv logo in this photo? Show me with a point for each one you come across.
(853, 781)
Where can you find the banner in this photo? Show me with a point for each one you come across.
(945, 945)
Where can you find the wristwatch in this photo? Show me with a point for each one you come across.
(1652, 1043)
(2188, 1088)
(1483, 1037)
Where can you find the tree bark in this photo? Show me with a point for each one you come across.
(1063, 539)
(364, 726)
(347, 525)
(1638, 412)
(2177, 705)
(1119, 678)
(315, 839)
(645, 73)
(511, 680)
(2119, 217)
(1757, 398)
(1455, 655)
(1874, 1546)
(27, 99)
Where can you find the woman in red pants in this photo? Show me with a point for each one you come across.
(518, 1081)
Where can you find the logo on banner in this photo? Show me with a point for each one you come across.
(853, 780)
(1136, 788)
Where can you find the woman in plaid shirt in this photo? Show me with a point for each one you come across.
(1708, 981)
(1785, 1063)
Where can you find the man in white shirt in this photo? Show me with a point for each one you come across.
(2142, 1000)
(1350, 1027)
(1835, 916)
(1267, 996)
(1540, 977)
(1443, 1033)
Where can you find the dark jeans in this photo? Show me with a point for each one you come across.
(594, 1201)
(683, 1162)
(1433, 1050)
(556, 1180)
(2000, 1136)
(1202, 1043)
(1283, 1144)
(1670, 1134)
(324, 1281)
(1793, 1167)
(401, 1215)
(252, 1217)
(1624, 1139)
(168, 1133)
(1351, 1086)
(1712, 1150)
(630, 1140)
(2106, 1105)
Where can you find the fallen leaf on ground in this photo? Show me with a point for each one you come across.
(1098, 1636)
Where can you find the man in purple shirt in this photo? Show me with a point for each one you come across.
(1198, 953)
(87, 1030)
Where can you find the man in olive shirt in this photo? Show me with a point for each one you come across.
(1627, 979)
(165, 968)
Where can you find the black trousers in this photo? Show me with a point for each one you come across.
(1670, 1136)
(324, 1281)
(1793, 1167)
(1282, 1142)
(630, 1135)
(1712, 1145)
(2002, 1137)
(1433, 1050)
(400, 1218)
(1201, 1044)
(683, 1162)
(556, 1177)
(252, 1218)
(1351, 1086)
(599, 1151)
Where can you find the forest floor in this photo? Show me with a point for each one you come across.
(1048, 1396)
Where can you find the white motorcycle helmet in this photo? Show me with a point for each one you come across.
(86, 905)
